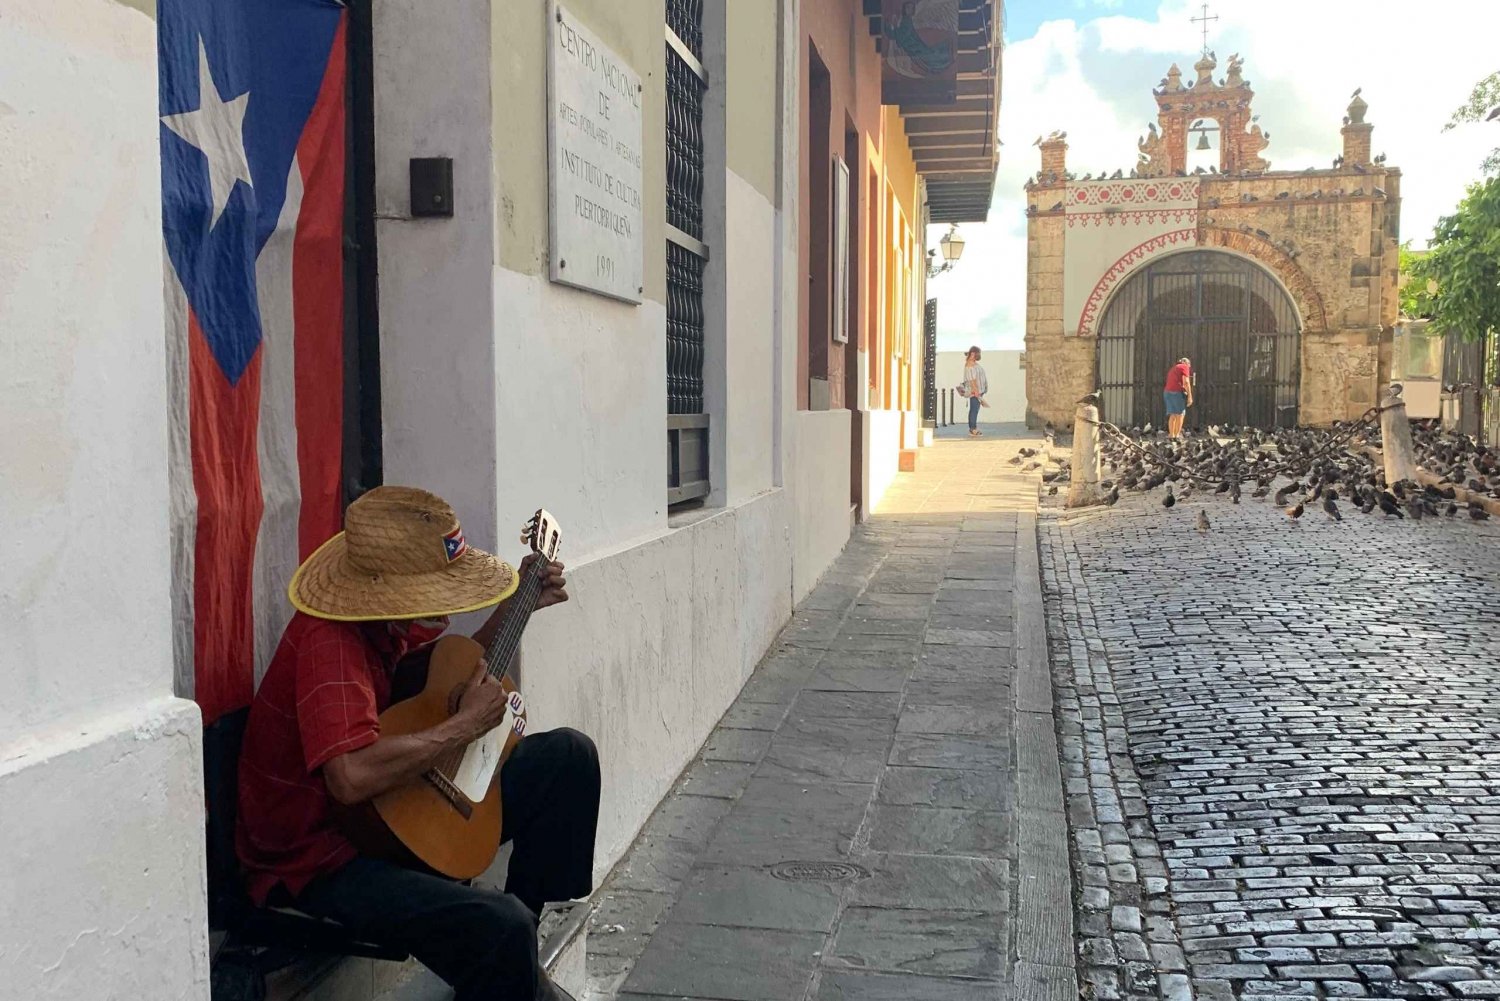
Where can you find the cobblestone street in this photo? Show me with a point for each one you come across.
(1281, 751)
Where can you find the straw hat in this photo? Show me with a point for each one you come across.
(402, 555)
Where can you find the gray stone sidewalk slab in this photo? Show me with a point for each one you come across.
(945, 943)
(874, 819)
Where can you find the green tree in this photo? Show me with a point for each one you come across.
(1461, 269)
(1484, 99)
(1416, 294)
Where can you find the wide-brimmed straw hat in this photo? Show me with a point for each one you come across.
(402, 555)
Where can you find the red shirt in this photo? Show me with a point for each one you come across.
(321, 697)
(1177, 378)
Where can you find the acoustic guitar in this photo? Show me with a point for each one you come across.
(449, 820)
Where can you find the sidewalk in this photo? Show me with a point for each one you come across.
(880, 813)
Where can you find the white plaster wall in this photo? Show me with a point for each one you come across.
(101, 879)
(750, 259)
(820, 490)
(432, 98)
(882, 443)
(1112, 226)
(1007, 395)
(653, 647)
(83, 480)
(102, 872)
(580, 414)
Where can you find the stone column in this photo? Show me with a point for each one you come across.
(1083, 489)
(1395, 438)
(1357, 133)
(1054, 160)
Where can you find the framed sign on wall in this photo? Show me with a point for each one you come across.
(594, 142)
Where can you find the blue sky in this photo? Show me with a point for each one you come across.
(1023, 17)
(1088, 66)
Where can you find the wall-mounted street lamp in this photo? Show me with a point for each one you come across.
(952, 245)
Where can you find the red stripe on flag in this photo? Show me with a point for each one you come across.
(318, 308)
(223, 423)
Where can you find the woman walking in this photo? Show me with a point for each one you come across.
(974, 387)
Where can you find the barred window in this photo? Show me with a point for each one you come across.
(687, 254)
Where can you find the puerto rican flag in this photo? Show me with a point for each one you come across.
(252, 156)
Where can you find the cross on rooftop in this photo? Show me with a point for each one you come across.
(1205, 19)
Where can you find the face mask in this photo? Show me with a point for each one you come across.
(414, 633)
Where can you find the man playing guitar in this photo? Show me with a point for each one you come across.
(376, 594)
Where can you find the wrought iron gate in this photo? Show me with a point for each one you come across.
(1228, 315)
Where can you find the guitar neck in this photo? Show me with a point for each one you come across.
(501, 653)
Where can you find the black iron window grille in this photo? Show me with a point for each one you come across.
(687, 254)
(685, 20)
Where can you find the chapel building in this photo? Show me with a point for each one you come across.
(1280, 285)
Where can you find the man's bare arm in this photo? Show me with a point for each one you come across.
(392, 761)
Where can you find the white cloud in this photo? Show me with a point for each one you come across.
(1093, 77)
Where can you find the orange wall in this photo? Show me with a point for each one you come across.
(885, 258)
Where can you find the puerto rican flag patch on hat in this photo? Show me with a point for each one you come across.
(454, 544)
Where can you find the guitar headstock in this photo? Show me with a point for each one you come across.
(542, 535)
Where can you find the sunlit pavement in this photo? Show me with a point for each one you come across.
(880, 813)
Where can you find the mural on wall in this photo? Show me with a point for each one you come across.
(1113, 227)
(920, 49)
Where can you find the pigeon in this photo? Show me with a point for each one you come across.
(1091, 400)
(1112, 497)
(1203, 524)
(1477, 511)
(1389, 505)
(1331, 509)
(1295, 512)
(1169, 500)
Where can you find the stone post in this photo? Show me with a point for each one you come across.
(1395, 438)
(1054, 159)
(1356, 133)
(1083, 488)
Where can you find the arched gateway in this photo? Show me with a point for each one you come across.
(1228, 314)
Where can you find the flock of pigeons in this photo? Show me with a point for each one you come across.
(1317, 468)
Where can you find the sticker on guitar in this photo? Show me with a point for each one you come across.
(481, 758)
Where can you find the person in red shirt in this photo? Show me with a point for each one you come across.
(375, 595)
(1178, 395)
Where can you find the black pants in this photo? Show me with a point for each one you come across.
(481, 941)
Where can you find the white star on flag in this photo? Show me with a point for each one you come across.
(217, 128)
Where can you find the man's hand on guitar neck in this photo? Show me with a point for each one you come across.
(554, 585)
(554, 592)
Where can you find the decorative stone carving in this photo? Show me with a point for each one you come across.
(1357, 108)
(1251, 146)
(1153, 161)
(1236, 76)
(1205, 68)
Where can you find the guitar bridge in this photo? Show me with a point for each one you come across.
(449, 792)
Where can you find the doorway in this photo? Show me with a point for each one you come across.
(1230, 316)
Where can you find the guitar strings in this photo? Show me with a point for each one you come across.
(504, 639)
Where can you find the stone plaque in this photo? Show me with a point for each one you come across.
(594, 163)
